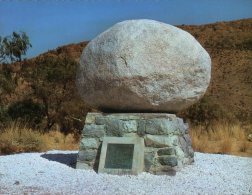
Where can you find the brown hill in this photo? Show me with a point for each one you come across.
(230, 47)
(40, 80)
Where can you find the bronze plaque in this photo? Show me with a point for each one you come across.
(119, 156)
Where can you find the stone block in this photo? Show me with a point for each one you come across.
(168, 160)
(179, 152)
(130, 135)
(88, 143)
(90, 118)
(141, 127)
(93, 131)
(166, 151)
(87, 155)
(117, 127)
(160, 141)
(112, 127)
(161, 127)
(149, 159)
(183, 144)
(188, 139)
(82, 165)
(191, 152)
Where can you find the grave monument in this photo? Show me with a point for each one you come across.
(139, 73)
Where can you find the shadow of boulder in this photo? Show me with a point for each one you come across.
(67, 159)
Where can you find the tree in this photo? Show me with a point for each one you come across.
(53, 84)
(13, 47)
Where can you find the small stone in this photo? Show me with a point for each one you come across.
(166, 151)
(88, 143)
(87, 155)
(168, 160)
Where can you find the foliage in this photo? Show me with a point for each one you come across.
(53, 83)
(13, 47)
(6, 84)
(221, 137)
(4, 116)
(27, 110)
(17, 137)
(204, 111)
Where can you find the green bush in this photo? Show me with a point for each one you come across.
(4, 117)
(27, 111)
(204, 111)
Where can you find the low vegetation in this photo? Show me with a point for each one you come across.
(222, 138)
(18, 138)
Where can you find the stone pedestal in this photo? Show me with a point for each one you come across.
(167, 144)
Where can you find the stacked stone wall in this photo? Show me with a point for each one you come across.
(167, 142)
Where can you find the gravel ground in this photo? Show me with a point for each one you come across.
(48, 173)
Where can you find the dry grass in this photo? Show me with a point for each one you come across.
(18, 138)
(223, 138)
(220, 137)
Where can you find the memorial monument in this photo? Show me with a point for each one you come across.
(139, 73)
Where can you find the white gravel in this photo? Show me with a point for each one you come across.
(31, 173)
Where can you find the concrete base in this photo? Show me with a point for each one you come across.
(167, 149)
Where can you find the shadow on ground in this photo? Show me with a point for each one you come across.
(67, 159)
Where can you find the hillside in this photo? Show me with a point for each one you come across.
(48, 81)
(230, 47)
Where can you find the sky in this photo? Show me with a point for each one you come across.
(52, 23)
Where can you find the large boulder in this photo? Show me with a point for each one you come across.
(143, 66)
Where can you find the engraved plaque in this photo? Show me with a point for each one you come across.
(119, 156)
(122, 155)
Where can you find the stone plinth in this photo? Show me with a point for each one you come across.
(167, 144)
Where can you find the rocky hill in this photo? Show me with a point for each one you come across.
(47, 81)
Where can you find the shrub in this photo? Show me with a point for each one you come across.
(18, 138)
(4, 117)
(27, 110)
(221, 137)
(204, 112)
